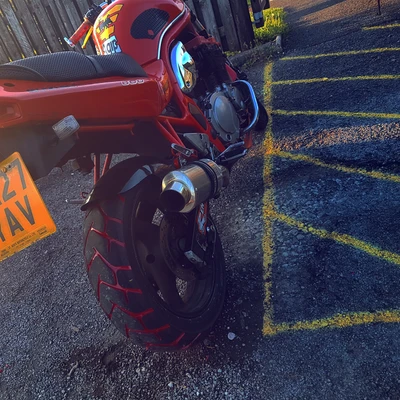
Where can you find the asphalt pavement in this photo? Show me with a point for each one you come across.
(310, 232)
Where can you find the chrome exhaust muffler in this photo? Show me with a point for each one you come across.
(186, 188)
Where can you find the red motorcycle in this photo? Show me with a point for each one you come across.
(161, 89)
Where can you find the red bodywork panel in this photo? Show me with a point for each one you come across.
(114, 110)
(107, 100)
(110, 101)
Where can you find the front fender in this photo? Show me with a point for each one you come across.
(123, 177)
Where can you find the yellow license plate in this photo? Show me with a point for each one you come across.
(24, 218)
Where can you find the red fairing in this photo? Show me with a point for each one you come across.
(107, 100)
(146, 30)
(137, 27)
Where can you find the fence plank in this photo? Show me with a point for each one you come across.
(191, 5)
(29, 26)
(209, 18)
(59, 9)
(70, 18)
(229, 27)
(75, 19)
(44, 25)
(9, 42)
(16, 29)
(3, 52)
(81, 6)
(56, 25)
(57, 22)
(244, 27)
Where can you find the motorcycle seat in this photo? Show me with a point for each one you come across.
(71, 66)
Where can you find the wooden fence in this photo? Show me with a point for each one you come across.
(227, 20)
(31, 27)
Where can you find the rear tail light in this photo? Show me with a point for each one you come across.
(8, 112)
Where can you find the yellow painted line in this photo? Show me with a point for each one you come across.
(373, 28)
(336, 321)
(340, 238)
(342, 53)
(342, 79)
(270, 215)
(268, 201)
(338, 167)
(337, 114)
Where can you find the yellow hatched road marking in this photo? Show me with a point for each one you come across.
(340, 238)
(337, 321)
(341, 79)
(268, 202)
(337, 114)
(372, 28)
(338, 167)
(270, 215)
(342, 53)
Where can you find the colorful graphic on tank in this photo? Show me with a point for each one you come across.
(105, 29)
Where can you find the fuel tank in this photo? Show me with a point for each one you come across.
(137, 27)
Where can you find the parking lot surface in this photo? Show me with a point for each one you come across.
(310, 232)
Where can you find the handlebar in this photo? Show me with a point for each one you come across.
(79, 33)
(88, 22)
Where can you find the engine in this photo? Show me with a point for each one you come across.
(203, 76)
(226, 111)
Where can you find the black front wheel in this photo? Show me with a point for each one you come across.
(134, 264)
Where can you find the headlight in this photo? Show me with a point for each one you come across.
(184, 67)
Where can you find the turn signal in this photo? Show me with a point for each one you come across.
(66, 127)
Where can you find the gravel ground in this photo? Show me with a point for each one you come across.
(55, 342)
